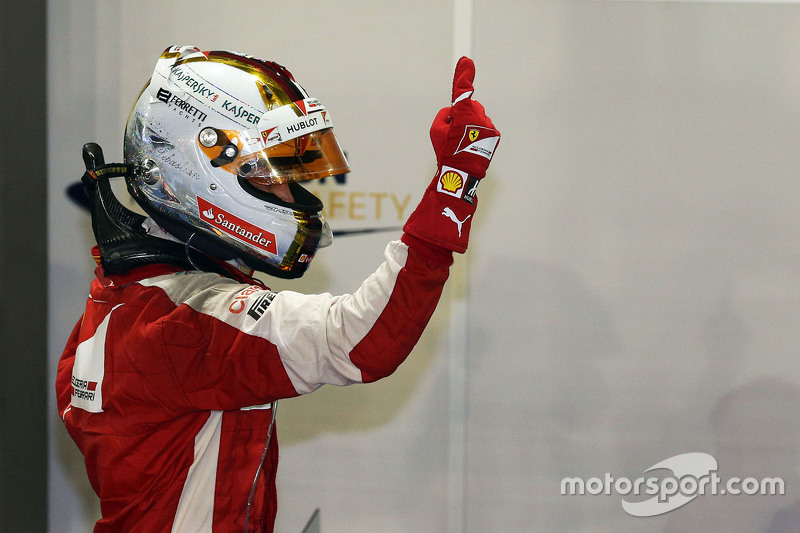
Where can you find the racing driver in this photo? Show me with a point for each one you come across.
(169, 381)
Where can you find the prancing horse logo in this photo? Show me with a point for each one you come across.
(452, 216)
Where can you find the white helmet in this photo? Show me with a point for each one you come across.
(210, 128)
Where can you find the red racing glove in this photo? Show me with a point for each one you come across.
(464, 140)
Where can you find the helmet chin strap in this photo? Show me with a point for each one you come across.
(236, 263)
(188, 251)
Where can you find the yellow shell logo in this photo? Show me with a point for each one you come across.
(473, 135)
(451, 181)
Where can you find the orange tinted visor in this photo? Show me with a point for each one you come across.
(307, 157)
(311, 156)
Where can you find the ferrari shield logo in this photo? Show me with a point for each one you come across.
(478, 140)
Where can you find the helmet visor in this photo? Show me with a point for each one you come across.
(311, 156)
(294, 143)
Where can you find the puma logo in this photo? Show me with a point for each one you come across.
(452, 216)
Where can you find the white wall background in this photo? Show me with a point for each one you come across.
(632, 291)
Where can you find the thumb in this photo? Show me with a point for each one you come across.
(462, 79)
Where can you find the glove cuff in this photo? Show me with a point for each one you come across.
(431, 251)
(443, 219)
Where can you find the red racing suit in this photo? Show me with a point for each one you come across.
(166, 380)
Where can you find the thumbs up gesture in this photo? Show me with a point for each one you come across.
(464, 140)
